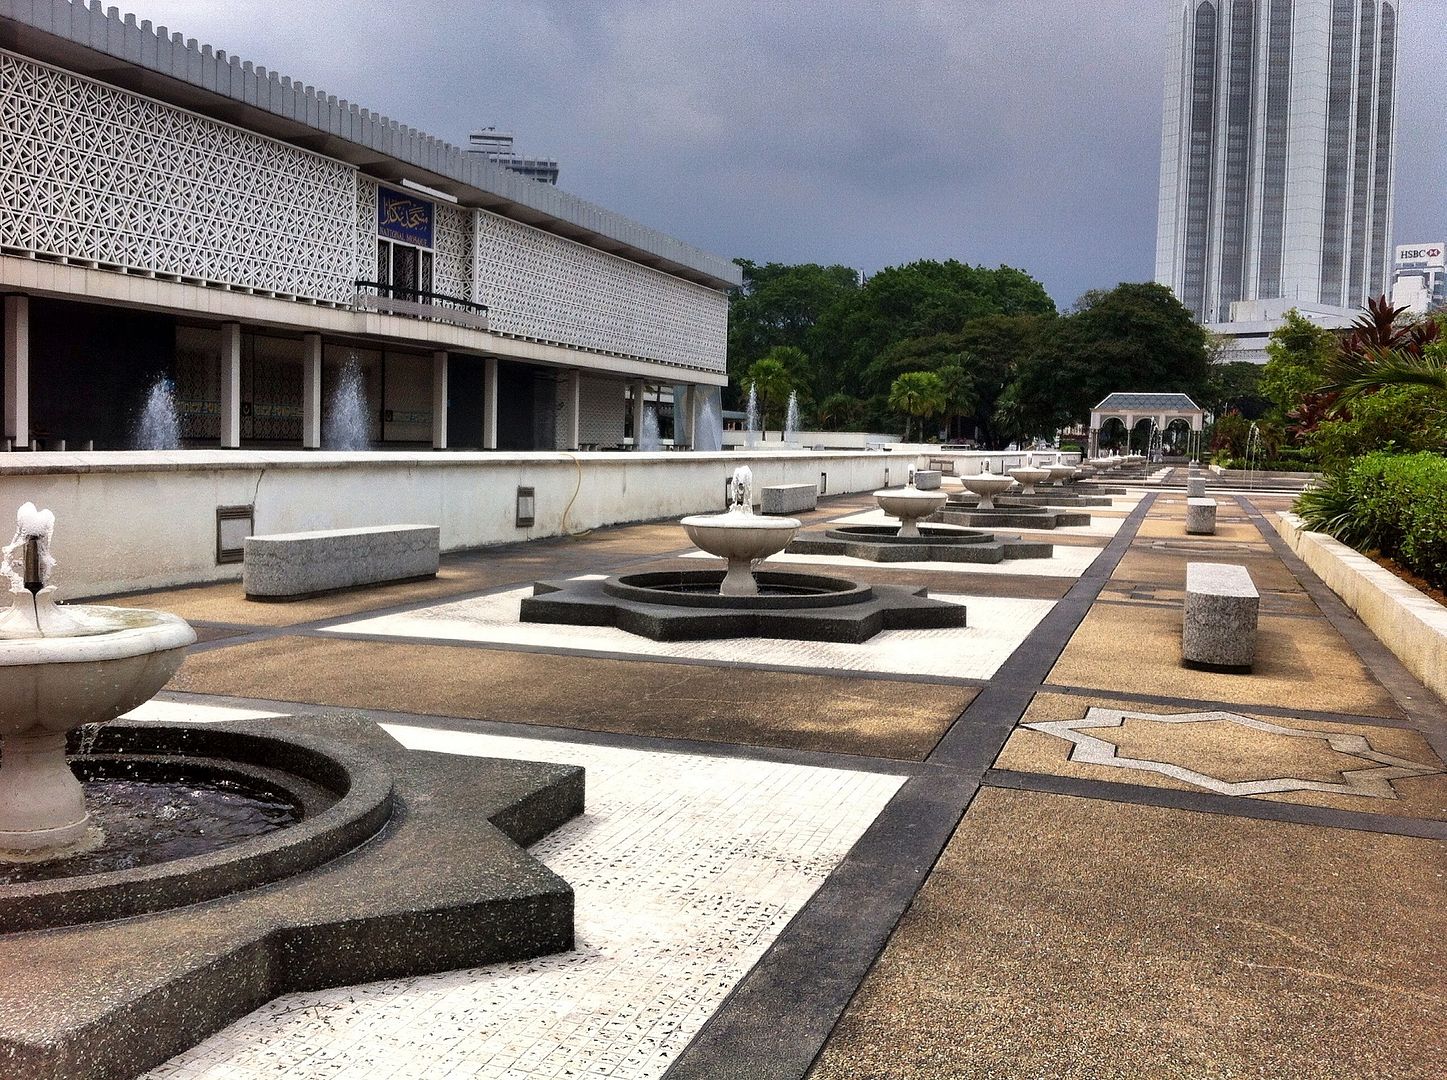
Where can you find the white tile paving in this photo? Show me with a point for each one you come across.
(997, 627)
(186, 712)
(686, 868)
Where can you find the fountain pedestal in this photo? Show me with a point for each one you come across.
(42, 804)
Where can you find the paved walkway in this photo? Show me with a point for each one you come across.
(1036, 848)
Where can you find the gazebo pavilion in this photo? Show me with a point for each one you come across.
(1164, 411)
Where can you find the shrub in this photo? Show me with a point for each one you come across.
(1393, 503)
(1400, 419)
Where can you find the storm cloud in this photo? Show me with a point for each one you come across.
(856, 132)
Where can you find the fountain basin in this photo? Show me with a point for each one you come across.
(686, 605)
(1019, 516)
(52, 685)
(909, 504)
(987, 487)
(742, 538)
(936, 543)
(1029, 476)
(343, 799)
(1060, 474)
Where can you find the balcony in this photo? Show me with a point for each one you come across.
(418, 304)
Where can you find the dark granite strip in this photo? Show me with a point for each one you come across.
(1209, 802)
(779, 1015)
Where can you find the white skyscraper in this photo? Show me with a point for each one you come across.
(1277, 153)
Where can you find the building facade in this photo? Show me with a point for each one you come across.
(1419, 282)
(496, 146)
(1278, 152)
(170, 212)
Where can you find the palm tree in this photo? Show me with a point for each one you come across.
(917, 393)
(772, 381)
(958, 386)
(1384, 350)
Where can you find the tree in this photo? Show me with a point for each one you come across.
(1298, 352)
(917, 393)
(1387, 349)
(840, 412)
(780, 305)
(1135, 336)
(772, 381)
(1235, 386)
(917, 301)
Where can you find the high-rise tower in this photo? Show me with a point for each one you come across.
(1277, 152)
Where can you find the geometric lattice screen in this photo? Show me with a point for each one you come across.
(97, 174)
(543, 286)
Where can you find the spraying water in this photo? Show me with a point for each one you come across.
(791, 419)
(1255, 454)
(648, 431)
(347, 422)
(159, 427)
(751, 422)
(708, 430)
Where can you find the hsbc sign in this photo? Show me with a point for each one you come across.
(1430, 254)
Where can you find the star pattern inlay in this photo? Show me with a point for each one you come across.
(1374, 781)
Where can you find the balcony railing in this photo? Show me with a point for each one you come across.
(420, 304)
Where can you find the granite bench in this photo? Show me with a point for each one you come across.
(1200, 517)
(1219, 630)
(292, 566)
(788, 498)
(1196, 487)
(928, 479)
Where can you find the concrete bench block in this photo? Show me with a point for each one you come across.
(290, 566)
(1200, 517)
(788, 498)
(1219, 630)
(1196, 487)
(928, 479)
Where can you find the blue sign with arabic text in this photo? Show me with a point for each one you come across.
(403, 218)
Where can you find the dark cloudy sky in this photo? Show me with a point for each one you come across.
(865, 132)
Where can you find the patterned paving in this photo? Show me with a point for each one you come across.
(686, 868)
(997, 627)
(1361, 769)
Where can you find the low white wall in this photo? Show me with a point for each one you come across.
(972, 462)
(129, 520)
(1410, 623)
(835, 440)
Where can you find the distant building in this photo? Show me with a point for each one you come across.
(1278, 146)
(496, 146)
(1245, 334)
(1420, 280)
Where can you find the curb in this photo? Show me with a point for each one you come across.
(1410, 623)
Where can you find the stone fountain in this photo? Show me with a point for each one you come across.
(63, 667)
(913, 542)
(1027, 476)
(910, 505)
(741, 601)
(740, 536)
(250, 860)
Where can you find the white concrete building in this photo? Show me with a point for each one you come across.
(169, 210)
(497, 146)
(1278, 153)
(1420, 280)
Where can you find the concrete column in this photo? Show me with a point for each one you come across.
(571, 400)
(311, 392)
(231, 385)
(489, 403)
(17, 370)
(685, 410)
(439, 400)
(638, 390)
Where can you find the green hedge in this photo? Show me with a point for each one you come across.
(1392, 503)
